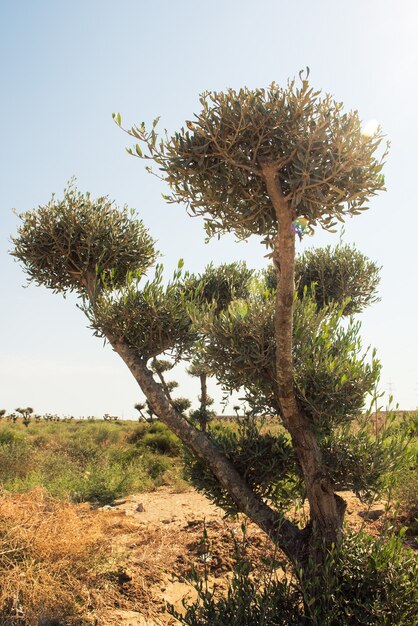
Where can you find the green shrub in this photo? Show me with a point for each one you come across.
(368, 582)
(10, 436)
(155, 466)
(163, 443)
(156, 437)
(15, 460)
(267, 462)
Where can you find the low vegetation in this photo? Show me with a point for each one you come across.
(95, 461)
(56, 557)
(365, 582)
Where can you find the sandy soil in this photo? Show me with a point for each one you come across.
(160, 537)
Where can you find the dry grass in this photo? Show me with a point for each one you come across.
(57, 565)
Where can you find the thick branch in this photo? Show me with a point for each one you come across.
(285, 534)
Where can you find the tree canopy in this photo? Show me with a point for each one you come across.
(326, 165)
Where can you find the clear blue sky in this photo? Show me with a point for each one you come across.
(66, 66)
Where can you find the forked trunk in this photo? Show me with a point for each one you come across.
(286, 535)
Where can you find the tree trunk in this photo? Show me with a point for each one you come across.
(285, 534)
(203, 420)
(326, 508)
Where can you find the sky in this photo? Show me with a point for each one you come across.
(66, 66)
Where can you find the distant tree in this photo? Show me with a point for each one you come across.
(110, 418)
(26, 414)
(140, 406)
(199, 369)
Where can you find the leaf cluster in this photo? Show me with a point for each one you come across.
(340, 275)
(364, 462)
(68, 243)
(151, 319)
(266, 461)
(332, 374)
(325, 164)
(221, 284)
(155, 317)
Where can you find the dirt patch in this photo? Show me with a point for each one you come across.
(165, 543)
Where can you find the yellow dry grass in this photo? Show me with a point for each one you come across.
(56, 562)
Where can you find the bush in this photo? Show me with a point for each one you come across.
(9, 436)
(367, 582)
(157, 437)
(407, 495)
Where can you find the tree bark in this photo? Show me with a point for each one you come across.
(326, 508)
(203, 401)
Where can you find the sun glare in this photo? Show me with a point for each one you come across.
(370, 128)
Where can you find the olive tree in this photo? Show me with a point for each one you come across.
(273, 162)
(252, 162)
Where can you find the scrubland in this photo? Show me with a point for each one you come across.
(74, 550)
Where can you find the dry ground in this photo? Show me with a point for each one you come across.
(122, 564)
(160, 535)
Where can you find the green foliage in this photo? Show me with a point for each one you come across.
(366, 582)
(220, 285)
(354, 459)
(362, 461)
(373, 583)
(88, 461)
(266, 461)
(10, 436)
(332, 375)
(151, 320)
(407, 495)
(181, 404)
(406, 485)
(340, 275)
(325, 164)
(239, 348)
(158, 438)
(65, 243)
(202, 416)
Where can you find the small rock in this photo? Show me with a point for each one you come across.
(372, 515)
(140, 508)
(107, 507)
(166, 521)
(118, 502)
